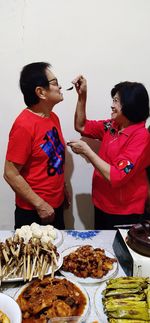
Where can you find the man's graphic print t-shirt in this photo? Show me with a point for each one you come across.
(38, 145)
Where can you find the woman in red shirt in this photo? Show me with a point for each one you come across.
(119, 188)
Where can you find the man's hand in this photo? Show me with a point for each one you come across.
(45, 212)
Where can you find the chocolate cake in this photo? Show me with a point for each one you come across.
(138, 238)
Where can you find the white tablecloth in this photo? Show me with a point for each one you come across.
(102, 239)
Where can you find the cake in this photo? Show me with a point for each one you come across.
(138, 238)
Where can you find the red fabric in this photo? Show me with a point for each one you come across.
(126, 192)
(37, 143)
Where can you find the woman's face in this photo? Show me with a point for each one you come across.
(117, 109)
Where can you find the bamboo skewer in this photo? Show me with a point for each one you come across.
(19, 259)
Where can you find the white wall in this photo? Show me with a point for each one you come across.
(105, 40)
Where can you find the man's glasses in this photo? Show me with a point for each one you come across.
(53, 82)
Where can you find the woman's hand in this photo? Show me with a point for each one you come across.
(79, 147)
(80, 85)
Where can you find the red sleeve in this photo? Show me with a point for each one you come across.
(94, 129)
(132, 160)
(19, 145)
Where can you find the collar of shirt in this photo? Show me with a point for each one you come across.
(130, 129)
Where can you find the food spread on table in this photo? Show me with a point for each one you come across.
(4, 318)
(127, 300)
(28, 254)
(49, 298)
(87, 261)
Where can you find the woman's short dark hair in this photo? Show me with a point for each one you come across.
(31, 76)
(134, 100)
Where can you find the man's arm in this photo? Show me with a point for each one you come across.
(21, 187)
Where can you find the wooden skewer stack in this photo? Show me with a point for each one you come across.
(20, 259)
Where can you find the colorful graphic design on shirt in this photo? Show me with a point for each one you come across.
(55, 150)
(125, 165)
(108, 126)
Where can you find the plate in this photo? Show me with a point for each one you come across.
(18, 279)
(82, 289)
(89, 280)
(59, 238)
(99, 305)
(9, 307)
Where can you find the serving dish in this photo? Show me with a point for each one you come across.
(59, 238)
(123, 298)
(44, 288)
(98, 303)
(88, 280)
(49, 272)
(10, 307)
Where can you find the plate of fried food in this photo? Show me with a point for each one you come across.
(24, 260)
(123, 300)
(49, 298)
(88, 265)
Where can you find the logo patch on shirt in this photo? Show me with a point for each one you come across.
(55, 150)
(125, 165)
(108, 126)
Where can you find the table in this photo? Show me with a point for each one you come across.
(102, 239)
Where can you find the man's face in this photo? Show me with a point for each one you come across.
(53, 93)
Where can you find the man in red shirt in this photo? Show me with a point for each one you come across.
(35, 158)
(120, 187)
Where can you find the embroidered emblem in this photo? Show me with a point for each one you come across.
(125, 165)
(108, 126)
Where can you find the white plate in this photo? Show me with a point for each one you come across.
(99, 305)
(59, 238)
(89, 280)
(9, 307)
(17, 279)
(87, 307)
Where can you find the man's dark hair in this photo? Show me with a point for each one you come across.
(31, 76)
(134, 100)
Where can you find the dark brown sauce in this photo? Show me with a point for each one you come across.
(38, 300)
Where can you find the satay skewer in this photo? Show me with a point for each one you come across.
(28, 260)
(43, 271)
(4, 252)
(24, 263)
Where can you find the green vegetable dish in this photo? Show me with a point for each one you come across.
(127, 300)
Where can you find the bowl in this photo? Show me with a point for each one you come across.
(10, 307)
